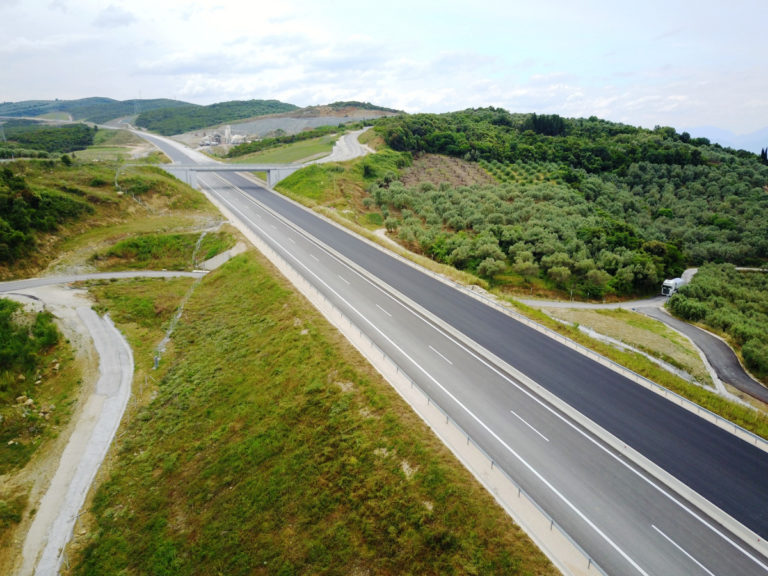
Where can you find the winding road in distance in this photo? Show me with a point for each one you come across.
(466, 355)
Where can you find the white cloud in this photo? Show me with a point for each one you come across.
(555, 57)
(114, 17)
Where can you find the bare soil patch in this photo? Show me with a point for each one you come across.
(438, 169)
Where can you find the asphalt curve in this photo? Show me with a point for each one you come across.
(722, 358)
(722, 468)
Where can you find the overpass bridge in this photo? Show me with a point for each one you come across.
(275, 172)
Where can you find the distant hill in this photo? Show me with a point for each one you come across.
(170, 121)
(348, 108)
(98, 110)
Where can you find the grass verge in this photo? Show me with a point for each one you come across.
(295, 152)
(163, 251)
(753, 420)
(641, 332)
(272, 447)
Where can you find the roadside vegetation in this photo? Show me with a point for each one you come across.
(258, 146)
(642, 333)
(38, 382)
(584, 204)
(39, 385)
(60, 214)
(67, 214)
(300, 150)
(162, 251)
(32, 139)
(272, 447)
(732, 303)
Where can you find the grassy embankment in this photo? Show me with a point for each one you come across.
(38, 397)
(288, 153)
(269, 446)
(339, 191)
(39, 381)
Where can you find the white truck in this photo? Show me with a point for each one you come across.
(671, 286)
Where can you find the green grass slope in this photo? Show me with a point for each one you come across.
(271, 447)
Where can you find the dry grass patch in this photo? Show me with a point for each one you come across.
(643, 333)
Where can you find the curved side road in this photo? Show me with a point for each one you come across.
(85, 451)
(102, 412)
(722, 358)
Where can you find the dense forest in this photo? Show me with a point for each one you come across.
(732, 302)
(582, 204)
(169, 121)
(23, 211)
(98, 110)
(27, 138)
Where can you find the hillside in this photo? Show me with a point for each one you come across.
(580, 204)
(32, 139)
(169, 121)
(97, 110)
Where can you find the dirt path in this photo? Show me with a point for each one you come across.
(61, 476)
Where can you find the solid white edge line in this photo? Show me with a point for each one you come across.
(676, 545)
(523, 389)
(524, 421)
(471, 414)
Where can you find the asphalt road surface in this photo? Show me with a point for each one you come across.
(627, 522)
(718, 353)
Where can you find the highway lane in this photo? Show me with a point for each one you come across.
(719, 466)
(626, 522)
(664, 543)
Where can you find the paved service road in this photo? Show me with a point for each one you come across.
(718, 353)
(446, 340)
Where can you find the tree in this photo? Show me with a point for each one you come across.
(490, 267)
(560, 274)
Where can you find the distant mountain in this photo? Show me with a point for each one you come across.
(96, 109)
(754, 141)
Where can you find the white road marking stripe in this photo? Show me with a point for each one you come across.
(382, 309)
(343, 279)
(676, 545)
(291, 240)
(458, 402)
(441, 355)
(523, 420)
(315, 258)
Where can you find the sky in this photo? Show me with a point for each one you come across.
(679, 63)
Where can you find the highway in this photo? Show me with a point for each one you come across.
(445, 340)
